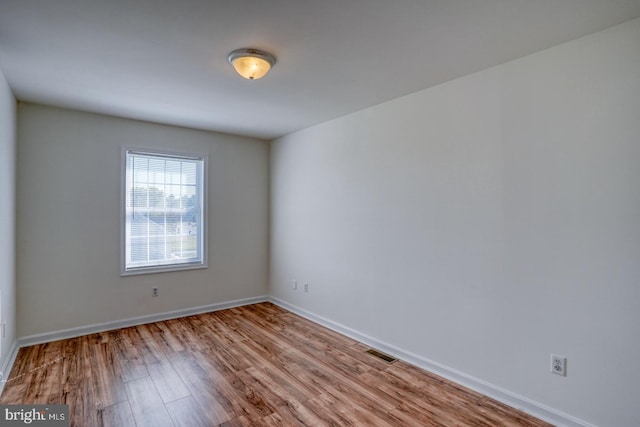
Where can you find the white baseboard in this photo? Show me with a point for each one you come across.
(524, 404)
(5, 368)
(133, 321)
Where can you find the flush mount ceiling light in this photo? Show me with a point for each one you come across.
(251, 64)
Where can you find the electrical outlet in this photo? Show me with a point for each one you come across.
(558, 365)
(295, 285)
(306, 287)
(154, 291)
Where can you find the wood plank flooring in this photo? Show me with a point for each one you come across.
(257, 365)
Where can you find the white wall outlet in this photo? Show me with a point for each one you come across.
(154, 291)
(295, 285)
(558, 365)
(306, 287)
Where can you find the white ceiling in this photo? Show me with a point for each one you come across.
(165, 61)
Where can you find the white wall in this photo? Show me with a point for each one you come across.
(68, 221)
(483, 224)
(7, 220)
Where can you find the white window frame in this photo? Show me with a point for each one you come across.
(160, 268)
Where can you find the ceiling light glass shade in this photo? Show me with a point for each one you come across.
(251, 64)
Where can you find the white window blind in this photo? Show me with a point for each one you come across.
(164, 212)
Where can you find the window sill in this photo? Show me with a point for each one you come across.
(162, 269)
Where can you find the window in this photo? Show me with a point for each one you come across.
(164, 212)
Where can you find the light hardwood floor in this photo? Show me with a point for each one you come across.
(257, 365)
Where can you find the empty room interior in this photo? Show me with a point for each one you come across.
(424, 213)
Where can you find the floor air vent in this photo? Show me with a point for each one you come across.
(385, 357)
